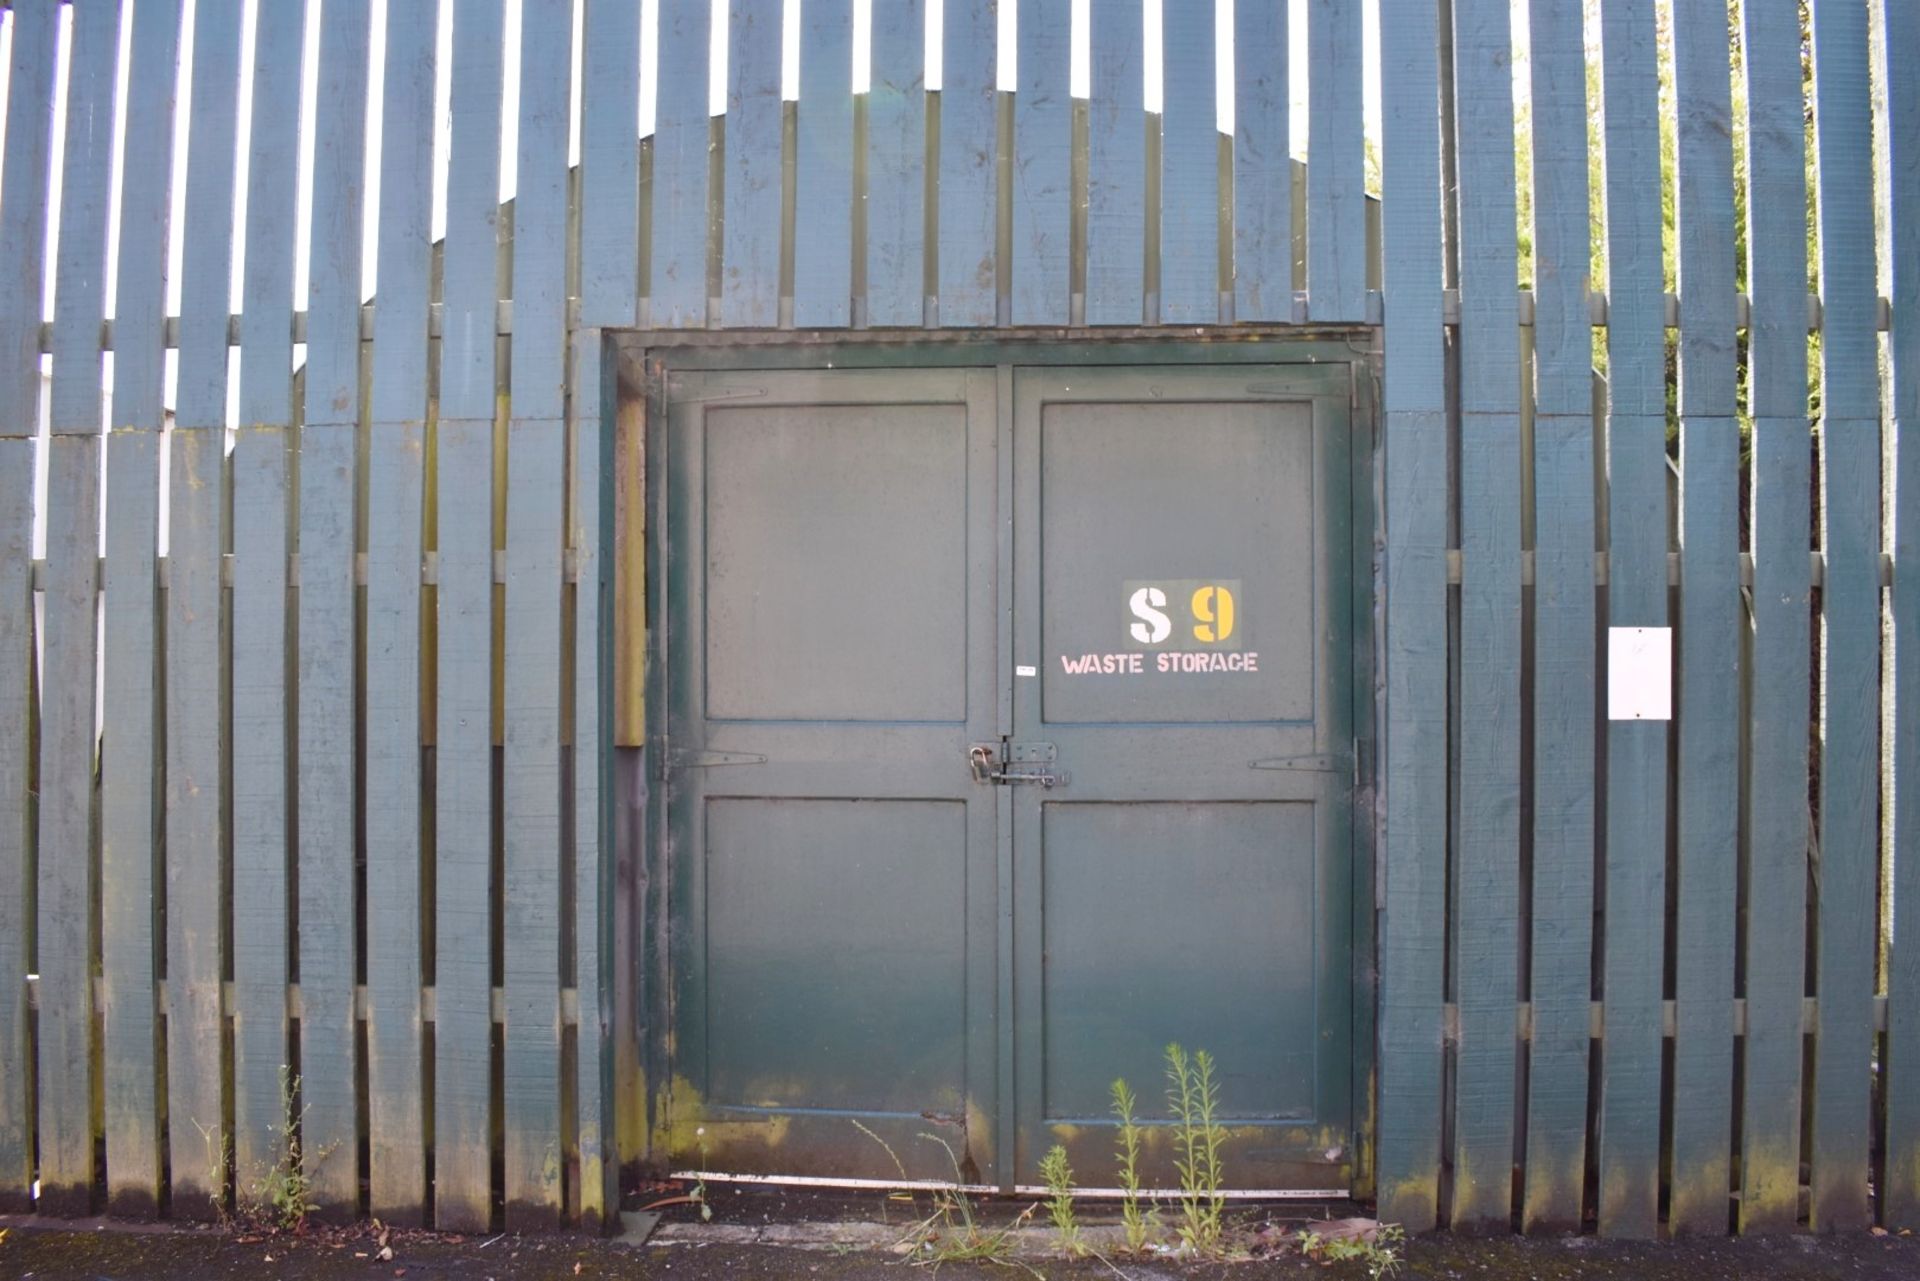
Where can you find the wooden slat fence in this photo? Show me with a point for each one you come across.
(306, 794)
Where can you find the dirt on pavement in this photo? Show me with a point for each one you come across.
(775, 1233)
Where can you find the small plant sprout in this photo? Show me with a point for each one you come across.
(1127, 1151)
(1377, 1248)
(699, 1193)
(287, 1189)
(1193, 1096)
(1058, 1176)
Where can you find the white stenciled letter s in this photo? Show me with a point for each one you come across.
(1153, 626)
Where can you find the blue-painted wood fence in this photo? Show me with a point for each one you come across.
(313, 668)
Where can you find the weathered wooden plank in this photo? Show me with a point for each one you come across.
(328, 461)
(823, 173)
(1413, 889)
(897, 166)
(969, 179)
(536, 498)
(66, 930)
(1781, 517)
(1336, 169)
(197, 831)
(1848, 878)
(1899, 124)
(1116, 165)
(1189, 169)
(1487, 895)
(590, 533)
(463, 788)
(1637, 597)
(1561, 975)
(396, 444)
(16, 836)
(23, 182)
(610, 164)
(1711, 622)
(129, 853)
(1042, 155)
(1262, 164)
(681, 133)
(261, 947)
(750, 255)
(25, 174)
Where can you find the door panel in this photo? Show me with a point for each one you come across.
(1181, 579)
(1136, 579)
(831, 653)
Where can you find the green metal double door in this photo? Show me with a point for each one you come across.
(1010, 738)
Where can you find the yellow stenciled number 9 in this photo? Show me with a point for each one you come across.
(1213, 612)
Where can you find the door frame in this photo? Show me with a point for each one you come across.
(640, 362)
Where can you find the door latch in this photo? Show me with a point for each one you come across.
(1000, 763)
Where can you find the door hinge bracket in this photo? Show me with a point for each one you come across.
(1330, 763)
(684, 758)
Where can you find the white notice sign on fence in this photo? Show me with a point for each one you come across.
(1640, 673)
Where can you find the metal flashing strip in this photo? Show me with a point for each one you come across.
(988, 1189)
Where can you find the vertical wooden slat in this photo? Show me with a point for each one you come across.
(750, 255)
(1561, 977)
(1900, 122)
(536, 500)
(680, 139)
(198, 1132)
(608, 230)
(1637, 597)
(1487, 898)
(128, 853)
(329, 443)
(23, 217)
(1042, 153)
(1262, 164)
(1190, 169)
(396, 447)
(67, 932)
(260, 607)
(1336, 173)
(1414, 778)
(1711, 619)
(823, 172)
(896, 166)
(1116, 166)
(1848, 872)
(591, 537)
(610, 164)
(463, 827)
(1775, 935)
(969, 149)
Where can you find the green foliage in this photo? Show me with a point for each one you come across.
(1378, 1252)
(950, 1233)
(1128, 1151)
(284, 1196)
(1193, 1096)
(1058, 1176)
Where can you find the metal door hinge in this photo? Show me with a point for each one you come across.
(671, 759)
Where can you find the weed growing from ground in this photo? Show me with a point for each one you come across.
(1058, 1176)
(1193, 1096)
(285, 1193)
(951, 1233)
(1127, 1150)
(1378, 1252)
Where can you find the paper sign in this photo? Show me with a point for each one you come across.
(1024, 670)
(1640, 673)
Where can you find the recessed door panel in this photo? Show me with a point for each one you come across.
(1177, 578)
(1172, 921)
(836, 570)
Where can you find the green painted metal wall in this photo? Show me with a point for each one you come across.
(308, 625)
